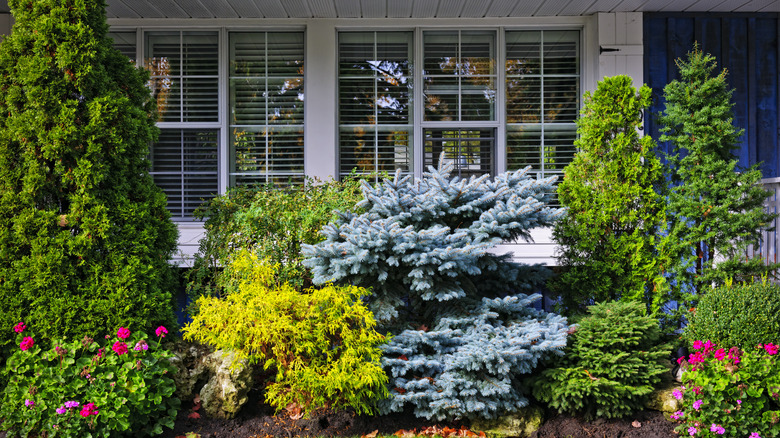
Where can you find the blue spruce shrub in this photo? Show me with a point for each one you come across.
(464, 334)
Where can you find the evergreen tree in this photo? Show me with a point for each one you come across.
(85, 238)
(608, 241)
(465, 334)
(716, 206)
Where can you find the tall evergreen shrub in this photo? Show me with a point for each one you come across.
(84, 234)
(609, 238)
(465, 336)
(716, 205)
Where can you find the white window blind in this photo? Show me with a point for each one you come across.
(375, 111)
(184, 165)
(266, 107)
(469, 150)
(542, 99)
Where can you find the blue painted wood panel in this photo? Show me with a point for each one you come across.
(746, 45)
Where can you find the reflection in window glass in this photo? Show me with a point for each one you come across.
(542, 99)
(125, 43)
(266, 107)
(375, 113)
(459, 75)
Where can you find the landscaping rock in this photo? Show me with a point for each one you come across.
(191, 371)
(662, 399)
(228, 387)
(521, 424)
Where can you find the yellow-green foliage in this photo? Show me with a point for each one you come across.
(322, 342)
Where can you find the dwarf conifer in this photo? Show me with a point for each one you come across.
(608, 241)
(85, 238)
(716, 205)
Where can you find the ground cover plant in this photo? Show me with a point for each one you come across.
(85, 236)
(730, 391)
(119, 386)
(613, 361)
(715, 204)
(320, 343)
(608, 243)
(737, 314)
(271, 222)
(464, 336)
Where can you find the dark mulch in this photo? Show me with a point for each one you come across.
(257, 421)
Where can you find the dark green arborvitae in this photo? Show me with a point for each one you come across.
(84, 234)
(608, 241)
(715, 205)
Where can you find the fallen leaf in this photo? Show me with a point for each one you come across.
(400, 391)
(295, 411)
(403, 357)
(196, 400)
(194, 415)
(370, 435)
(636, 424)
(403, 433)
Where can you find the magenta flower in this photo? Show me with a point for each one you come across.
(697, 404)
(161, 332)
(27, 343)
(29, 403)
(141, 346)
(754, 435)
(770, 348)
(119, 348)
(734, 354)
(692, 431)
(71, 404)
(123, 333)
(88, 409)
(717, 429)
(61, 410)
(677, 415)
(720, 354)
(18, 328)
(697, 345)
(708, 346)
(677, 394)
(739, 402)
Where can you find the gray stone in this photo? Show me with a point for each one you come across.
(662, 399)
(188, 358)
(520, 424)
(228, 387)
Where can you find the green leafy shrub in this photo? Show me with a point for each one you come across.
(741, 315)
(732, 392)
(322, 342)
(614, 359)
(85, 236)
(609, 239)
(271, 221)
(79, 389)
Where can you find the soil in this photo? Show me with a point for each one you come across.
(257, 421)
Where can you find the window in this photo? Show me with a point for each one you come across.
(463, 112)
(542, 99)
(266, 108)
(258, 127)
(375, 111)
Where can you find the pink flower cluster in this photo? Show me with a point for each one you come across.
(161, 332)
(119, 348)
(68, 405)
(717, 429)
(123, 333)
(18, 328)
(771, 349)
(27, 343)
(88, 409)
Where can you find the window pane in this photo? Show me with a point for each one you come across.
(459, 76)
(470, 150)
(375, 92)
(184, 165)
(266, 107)
(200, 54)
(542, 92)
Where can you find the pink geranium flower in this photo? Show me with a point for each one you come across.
(697, 345)
(770, 348)
(717, 429)
(697, 404)
(720, 354)
(88, 409)
(27, 343)
(119, 348)
(18, 328)
(123, 333)
(161, 332)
